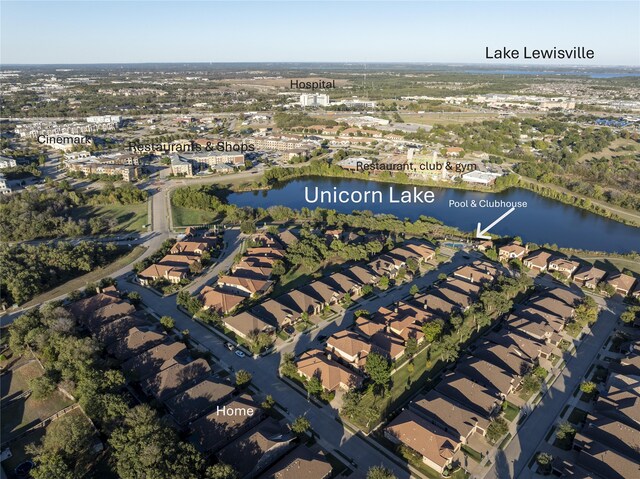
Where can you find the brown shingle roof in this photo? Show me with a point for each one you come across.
(138, 341)
(217, 428)
(464, 391)
(426, 438)
(332, 374)
(154, 360)
(450, 415)
(247, 324)
(174, 379)
(198, 399)
(220, 301)
(300, 463)
(118, 330)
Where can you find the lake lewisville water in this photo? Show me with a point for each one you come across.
(543, 220)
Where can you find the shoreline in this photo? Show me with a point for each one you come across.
(526, 184)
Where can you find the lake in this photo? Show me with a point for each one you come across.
(542, 221)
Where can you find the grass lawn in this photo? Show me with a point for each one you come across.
(404, 385)
(510, 411)
(472, 453)
(21, 414)
(577, 416)
(188, 217)
(17, 381)
(131, 218)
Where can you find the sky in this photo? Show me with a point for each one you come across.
(52, 32)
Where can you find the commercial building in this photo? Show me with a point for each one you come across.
(314, 99)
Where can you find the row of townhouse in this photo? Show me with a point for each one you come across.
(608, 445)
(184, 256)
(249, 278)
(221, 422)
(437, 424)
(584, 275)
(312, 298)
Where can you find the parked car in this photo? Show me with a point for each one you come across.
(229, 346)
(240, 354)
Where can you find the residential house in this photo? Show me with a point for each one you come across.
(190, 247)
(521, 344)
(368, 327)
(564, 266)
(622, 283)
(250, 287)
(553, 305)
(362, 275)
(175, 379)
(219, 301)
(349, 347)
(173, 274)
(198, 400)
(512, 251)
(474, 274)
(328, 295)
(155, 360)
(434, 445)
(488, 375)
(613, 434)
(589, 277)
(274, 312)
(137, 341)
(504, 358)
(225, 423)
(344, 284)
(437, 304)
(247, 325)
(333, 375)
(455, 418)
(116, 331)
(538, 260)
(302, 462)
(604, 461)
(387, 345)
(301, 303)
(257, 448)
(461, 389)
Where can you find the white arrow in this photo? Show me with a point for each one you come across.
(480, 233)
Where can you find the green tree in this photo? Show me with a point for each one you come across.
(243, 378)
(378, 369)
(268, 402)
(288, 367)
(544, 460)
(588, 387)
(50, 465)
(314, 386)
(143, 447)
(300, 425)
(167, 322)
(380, 472)
(278, 268)
(411, 346)
(134, 297)
(42, 387)
(414, 290)
(497, 429)
(221, 471)
(383, 283)
(565, 431)
(432, 330)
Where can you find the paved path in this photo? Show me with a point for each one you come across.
(514, 459)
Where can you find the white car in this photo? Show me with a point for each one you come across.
(240, 354)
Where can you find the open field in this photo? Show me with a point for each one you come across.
(454, 118)
(130, 218)
(187, 217)
(624, 146)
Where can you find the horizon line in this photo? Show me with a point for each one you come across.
(288, 62)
